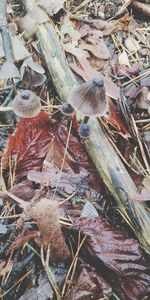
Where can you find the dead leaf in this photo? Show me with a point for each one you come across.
(99, 50)
(46, 214)
(67, 29)
(51, 7)
(144, 8)
(116, 119)
(29, 143)
(132, 44)
(106, 27)
(89, 285)
(76, 161)
(116, 256)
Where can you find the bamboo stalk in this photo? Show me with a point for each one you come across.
(99, 148)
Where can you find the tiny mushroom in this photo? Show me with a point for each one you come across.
(90, 100)
(26, 104)
(32, 73)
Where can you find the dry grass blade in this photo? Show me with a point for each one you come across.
(68, 198)
(45, 263)
(72, 268)
(62, 165)
(122, 9)
(23, 204)
(20, 280)
(141, 146)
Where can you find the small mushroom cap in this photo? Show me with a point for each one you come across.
(32, 73)
(26, 104)
(84, 131)
(31, 77)
(9, 70)
(89, 98)
(33, 65)
(67, 109)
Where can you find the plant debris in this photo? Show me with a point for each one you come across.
(75, 149)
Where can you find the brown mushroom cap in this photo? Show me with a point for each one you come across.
(26, 104)
(89, 98)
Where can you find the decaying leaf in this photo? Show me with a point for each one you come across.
(116, 119)
(99, 50)
(89, 285)
(46, 214)
(29, 143)
(69, 182)
(132, 44)
(51, 7)
(144, 8)
(67, 29)
(76, 161)
(116, 256)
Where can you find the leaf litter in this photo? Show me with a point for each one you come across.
(98, 260)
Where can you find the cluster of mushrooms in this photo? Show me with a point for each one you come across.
(89, 99)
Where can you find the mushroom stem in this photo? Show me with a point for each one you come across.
(85, 120)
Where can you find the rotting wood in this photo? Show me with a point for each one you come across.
(99, 148)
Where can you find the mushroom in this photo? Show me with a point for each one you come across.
(89, 99)
(32, 73)
(26, 104)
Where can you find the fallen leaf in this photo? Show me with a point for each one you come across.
(76, 161)
(107, 27)
(132, 44)
(117, 257)
(116, 119)
(29, 143)
(89, 285)
(51, 7)
(68, 182)
(99, 50)
(144, 8)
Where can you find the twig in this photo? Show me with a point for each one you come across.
(5, 32)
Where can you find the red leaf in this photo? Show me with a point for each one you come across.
(29, 143)
(116, 119)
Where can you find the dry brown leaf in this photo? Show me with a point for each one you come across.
(51, 7)
(144, 8)
(99, 50)
(132, 44)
